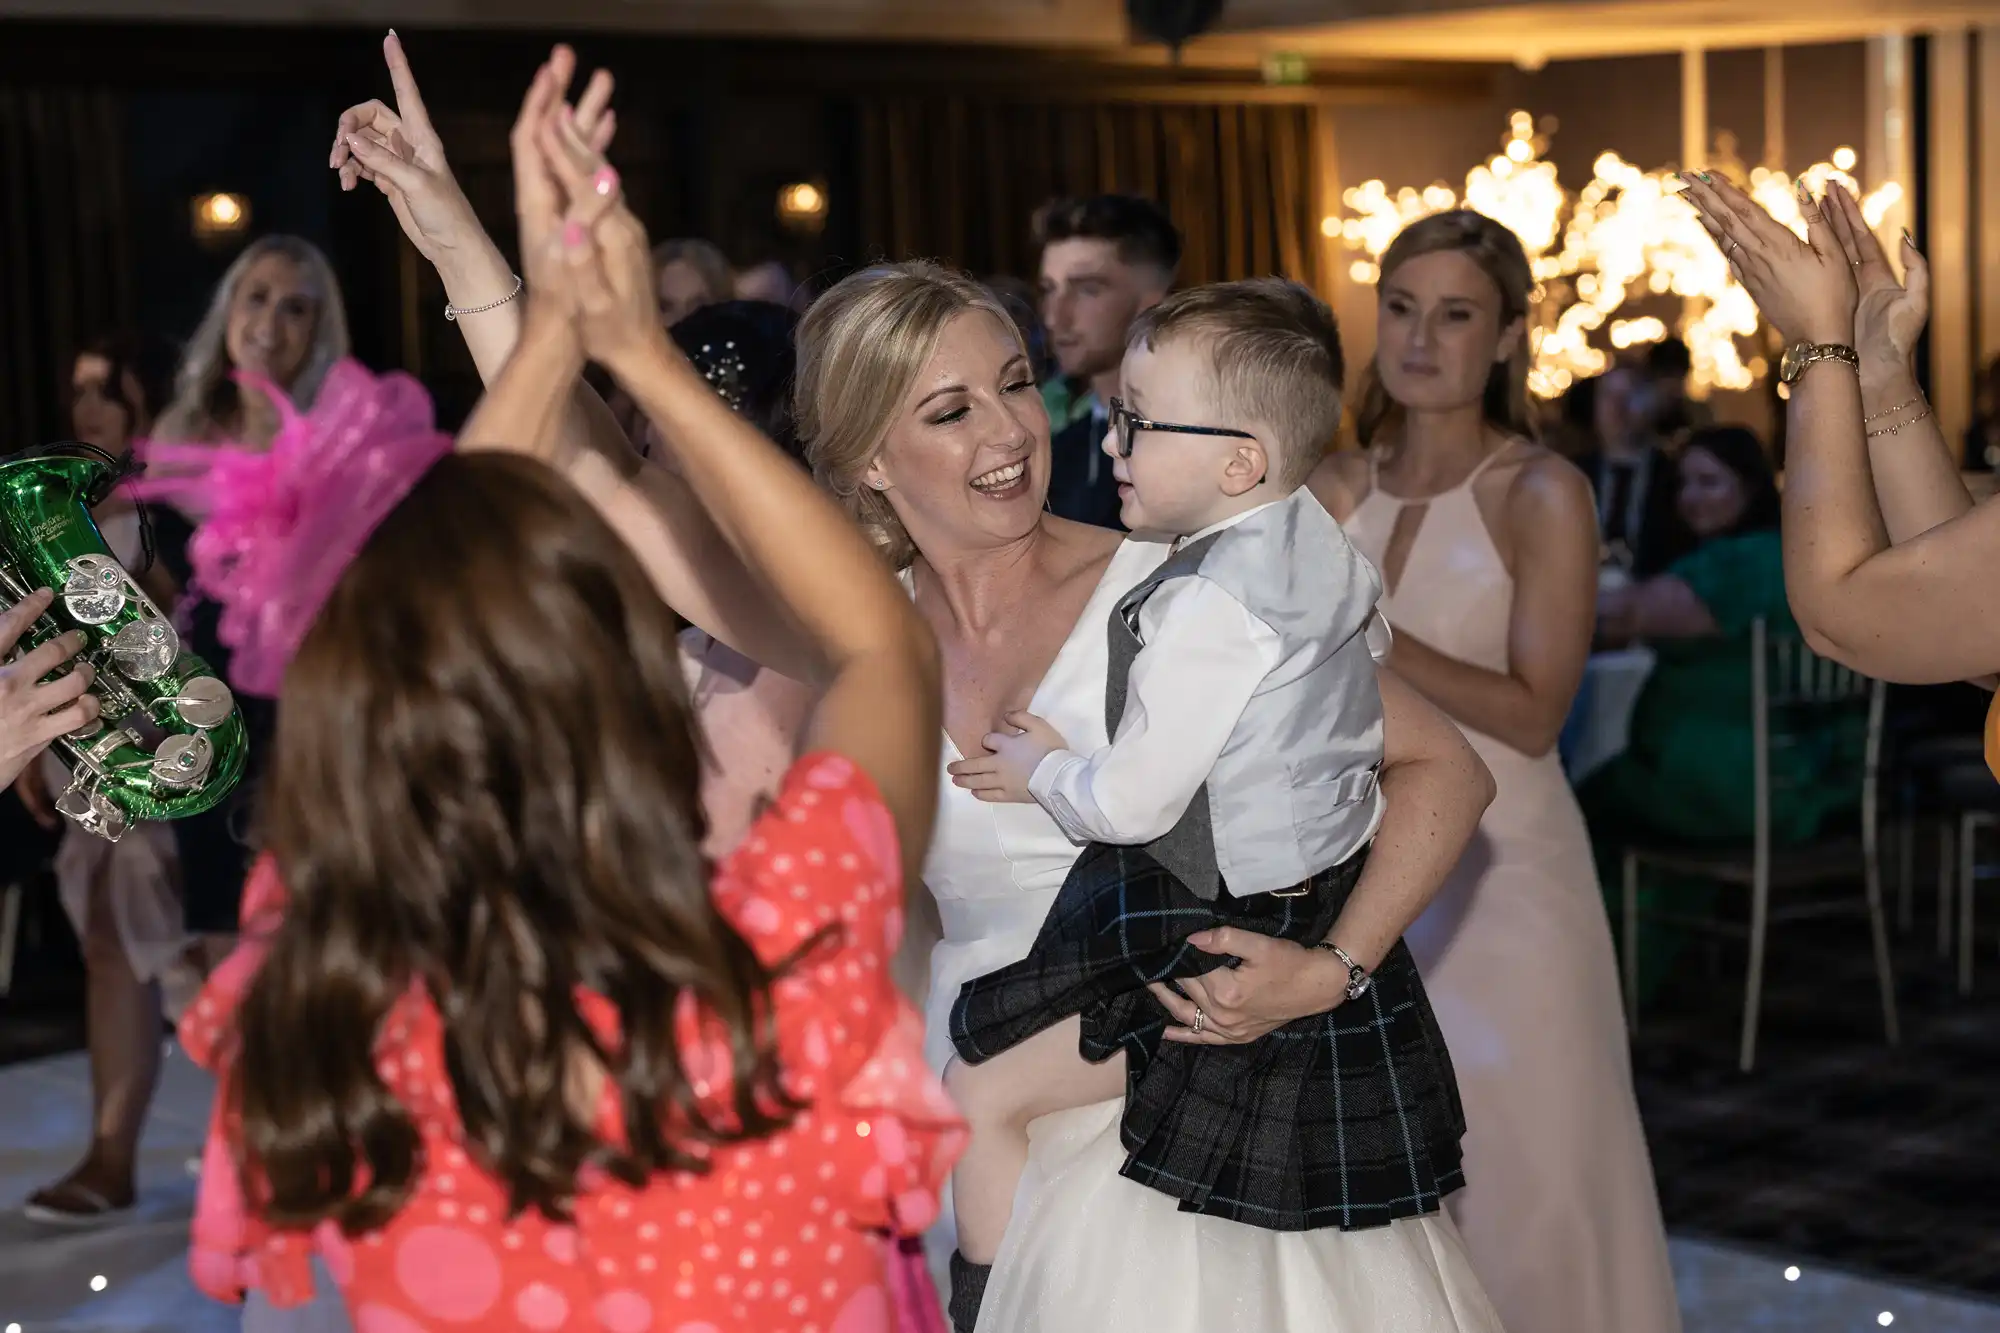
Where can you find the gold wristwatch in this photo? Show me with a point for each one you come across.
(1800, 357)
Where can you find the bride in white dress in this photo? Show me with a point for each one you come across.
(915, 403)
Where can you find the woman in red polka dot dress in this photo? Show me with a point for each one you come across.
(500, 1048)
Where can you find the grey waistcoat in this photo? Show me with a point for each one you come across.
(1293, 791)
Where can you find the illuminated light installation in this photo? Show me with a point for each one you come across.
(1624, 236)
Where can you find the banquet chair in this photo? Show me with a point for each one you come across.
(1799, 699)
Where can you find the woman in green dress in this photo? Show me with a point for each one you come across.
(1686, 775)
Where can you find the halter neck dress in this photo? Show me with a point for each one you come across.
(1559, 1211)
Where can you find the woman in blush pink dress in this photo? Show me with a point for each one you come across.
(1487, 544)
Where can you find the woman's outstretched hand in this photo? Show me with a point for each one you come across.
(1275, 982)
(398, 151)
(1807, 288)
(1892, 312)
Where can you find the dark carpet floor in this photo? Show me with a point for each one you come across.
(1836, 1146)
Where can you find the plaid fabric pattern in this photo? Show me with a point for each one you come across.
(1347, 1119)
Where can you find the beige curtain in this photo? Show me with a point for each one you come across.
(958, 178)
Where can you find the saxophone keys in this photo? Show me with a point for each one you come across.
(204, 702)
(183, 761)
(92, 812)
(95, 590)
(145, 649)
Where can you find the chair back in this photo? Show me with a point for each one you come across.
(1803, 701)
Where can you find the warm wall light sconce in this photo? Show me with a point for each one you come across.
(218, 216)
(802, 206)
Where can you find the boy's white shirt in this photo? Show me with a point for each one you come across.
(1202, 657)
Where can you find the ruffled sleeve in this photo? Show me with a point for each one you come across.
(823, 864)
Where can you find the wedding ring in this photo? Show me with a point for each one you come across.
(1200, 1020)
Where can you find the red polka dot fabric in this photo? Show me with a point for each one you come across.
(783, 1234)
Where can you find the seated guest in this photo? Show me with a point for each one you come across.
(1686, 773)
(1634, 477)
(1104, 261)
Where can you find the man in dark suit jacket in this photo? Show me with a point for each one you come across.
(1636, 478)
(1104, 260)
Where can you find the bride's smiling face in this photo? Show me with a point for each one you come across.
(966, 461)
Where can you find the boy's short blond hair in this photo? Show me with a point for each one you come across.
(1275, 356)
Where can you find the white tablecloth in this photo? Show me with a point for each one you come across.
(1601, 718)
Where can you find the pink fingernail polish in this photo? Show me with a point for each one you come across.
(572, 234)
(605, 181)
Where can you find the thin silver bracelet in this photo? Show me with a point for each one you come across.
(452, 312)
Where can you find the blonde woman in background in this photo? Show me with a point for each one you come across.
(1487, 543)
(276, 314)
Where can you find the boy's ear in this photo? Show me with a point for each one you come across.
(1249, 467)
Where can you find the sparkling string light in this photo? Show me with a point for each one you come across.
(1624, 237)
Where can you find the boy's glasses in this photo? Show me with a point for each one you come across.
(1124, 425)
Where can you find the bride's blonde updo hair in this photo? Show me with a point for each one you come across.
(860, 349)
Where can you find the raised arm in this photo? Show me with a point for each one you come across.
(1905, 613)
(1552, 521)
(398, 151)
(882, 701)
(1915, 472)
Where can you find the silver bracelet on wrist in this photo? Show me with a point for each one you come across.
(452, 312)
(1358, 980)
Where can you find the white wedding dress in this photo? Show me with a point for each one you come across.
(1087, 1250)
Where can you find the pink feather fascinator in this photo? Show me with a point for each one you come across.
(282, 524)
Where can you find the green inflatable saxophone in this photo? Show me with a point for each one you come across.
(168, 741)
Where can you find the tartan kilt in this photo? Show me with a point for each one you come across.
(1347, 1119)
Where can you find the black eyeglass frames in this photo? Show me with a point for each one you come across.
(1125, 424)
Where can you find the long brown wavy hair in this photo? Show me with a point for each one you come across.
(1500, 257)
(486, 783)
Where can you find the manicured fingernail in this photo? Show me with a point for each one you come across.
(392, 33)
(572, 234)
(1908, 239)
(605, 181)
(1704, 177)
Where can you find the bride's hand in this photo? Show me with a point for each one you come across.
(399, 152)
(1276, 982)
(1891, 314)
(1806, 288)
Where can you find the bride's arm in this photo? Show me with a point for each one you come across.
(1435, 788)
